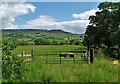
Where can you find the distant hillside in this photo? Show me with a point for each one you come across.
(33, 36)
(33, 30)
(36, 32)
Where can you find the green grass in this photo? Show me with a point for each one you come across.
(52, 53)
(102, 70)
(27, 49)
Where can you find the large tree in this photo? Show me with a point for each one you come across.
(105, 24)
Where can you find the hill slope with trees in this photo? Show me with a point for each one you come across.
(43, 37)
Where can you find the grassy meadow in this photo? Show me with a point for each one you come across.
(102, 70)
(27, 49)
(47, 67)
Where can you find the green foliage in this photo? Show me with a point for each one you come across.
(54, 42)
(41, 37)
(106, 25)
(11, 65)
(22, 42)
(12, 68)
(75, 42)
(41, 41)
(8, 44)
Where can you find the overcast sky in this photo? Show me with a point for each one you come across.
(68, 16)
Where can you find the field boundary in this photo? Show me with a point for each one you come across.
(59, 55)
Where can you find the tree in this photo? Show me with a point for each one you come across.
(41, 41)
(105, 24)
(54, 42)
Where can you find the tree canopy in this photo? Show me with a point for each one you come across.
(105, 24)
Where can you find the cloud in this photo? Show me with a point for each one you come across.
(75, 26)
(86, 14)
(46, 22)
(9, 11)
(42, 22)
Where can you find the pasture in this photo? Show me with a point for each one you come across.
(27, 49)
(102, 70)
(48, 53)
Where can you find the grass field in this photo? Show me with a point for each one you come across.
(51, 51)
(27, 49)
(102, 70)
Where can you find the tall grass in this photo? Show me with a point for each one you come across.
(102, 70)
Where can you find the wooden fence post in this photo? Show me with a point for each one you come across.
(46, 57)
(91, 55)
(60, 58)
(32, 54)
(74, 60)
(22, 53)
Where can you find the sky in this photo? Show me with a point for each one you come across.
(67, 16)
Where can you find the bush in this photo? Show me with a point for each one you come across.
(41, 41)
(12, 68)
(11, 65)
(110, 52)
